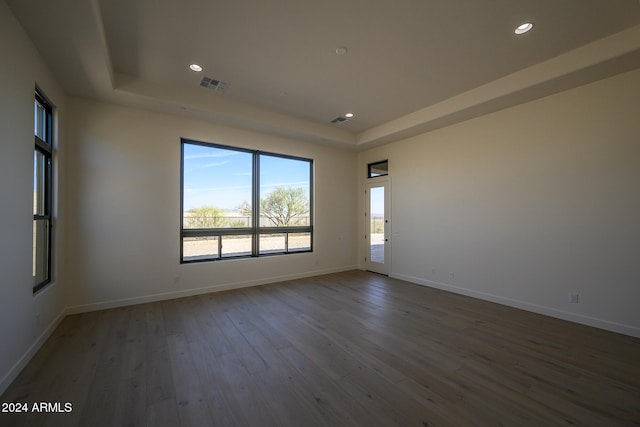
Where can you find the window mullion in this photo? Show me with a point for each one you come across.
(42, 146)
(255, 247)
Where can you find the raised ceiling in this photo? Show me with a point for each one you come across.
(410, 65)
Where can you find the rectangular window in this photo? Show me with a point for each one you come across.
(243, 203)
(42, 190)
(378, 169)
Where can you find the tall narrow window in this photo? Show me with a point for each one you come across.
(42, 191)
(243, 203)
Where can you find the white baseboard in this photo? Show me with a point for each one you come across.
(547, 311)
(28, 355)
(84, 308)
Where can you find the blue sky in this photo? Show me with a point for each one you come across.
(222, 178)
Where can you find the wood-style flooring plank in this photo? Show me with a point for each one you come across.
(99, 407)
(216, 397)
(248, 400)
(189, 393)
(163, 413)
(329, 392)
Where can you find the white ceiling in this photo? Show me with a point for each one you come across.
(411, 65)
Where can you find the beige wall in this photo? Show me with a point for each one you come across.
(124, 202)
(25, 319)
(527, 205)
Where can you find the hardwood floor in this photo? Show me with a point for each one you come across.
(344, 349)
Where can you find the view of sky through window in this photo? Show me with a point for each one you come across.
(220, 177)
(216, 177)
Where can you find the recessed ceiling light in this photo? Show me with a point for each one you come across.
(195, 67)
(341, 50)
(523, 28)
(348, 115)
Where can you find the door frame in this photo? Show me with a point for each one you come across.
(376, 267)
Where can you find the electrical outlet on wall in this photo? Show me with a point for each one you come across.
(574, 298)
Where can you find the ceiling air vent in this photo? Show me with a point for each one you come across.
(339, 119)
(214, 84)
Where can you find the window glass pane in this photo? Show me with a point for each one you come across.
(39, 182)
(299, 242)
(40, 122)
(236, 245)
(284, 192)
(197, 248)
(272, 243)
(378, 169)
(217, 187)
(377, 224)
(40, 251)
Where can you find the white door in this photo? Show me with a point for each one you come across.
(377, 227)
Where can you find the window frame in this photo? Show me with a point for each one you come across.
(255, 230)
(45, 148)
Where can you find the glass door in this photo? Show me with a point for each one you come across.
(377, 227)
